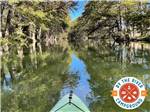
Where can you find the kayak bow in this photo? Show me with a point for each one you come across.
(70, 103)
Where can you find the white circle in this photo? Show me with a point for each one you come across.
(123, 104)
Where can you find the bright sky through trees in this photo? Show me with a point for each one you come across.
(80, 9)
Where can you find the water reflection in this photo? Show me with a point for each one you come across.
(136, 53)
(7, 80)
(7, 83)
(91, 74)
(35, 89)
(107, 65)
(77, 69)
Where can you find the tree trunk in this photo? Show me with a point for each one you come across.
(120, 19)
(8, 21)
(1, 17)
(33, 44)
(39, 40)
(20, 55)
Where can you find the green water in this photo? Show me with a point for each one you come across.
(90, 71)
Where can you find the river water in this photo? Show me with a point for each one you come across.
(90, 71)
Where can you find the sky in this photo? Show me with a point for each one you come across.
(80, 9)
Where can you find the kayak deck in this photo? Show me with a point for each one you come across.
(65, 105)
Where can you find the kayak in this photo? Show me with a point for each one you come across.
(70, 103)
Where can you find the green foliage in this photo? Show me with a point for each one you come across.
(50, 16)
(113, 20)
(106, 66)
(36, 90)
(29, 26)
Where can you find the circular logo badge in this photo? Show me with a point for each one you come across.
(129, 93)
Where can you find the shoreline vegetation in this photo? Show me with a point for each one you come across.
(29, 28)
(123, 21)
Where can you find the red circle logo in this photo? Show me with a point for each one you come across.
(129, 93)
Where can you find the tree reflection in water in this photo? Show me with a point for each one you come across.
(91, 72)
